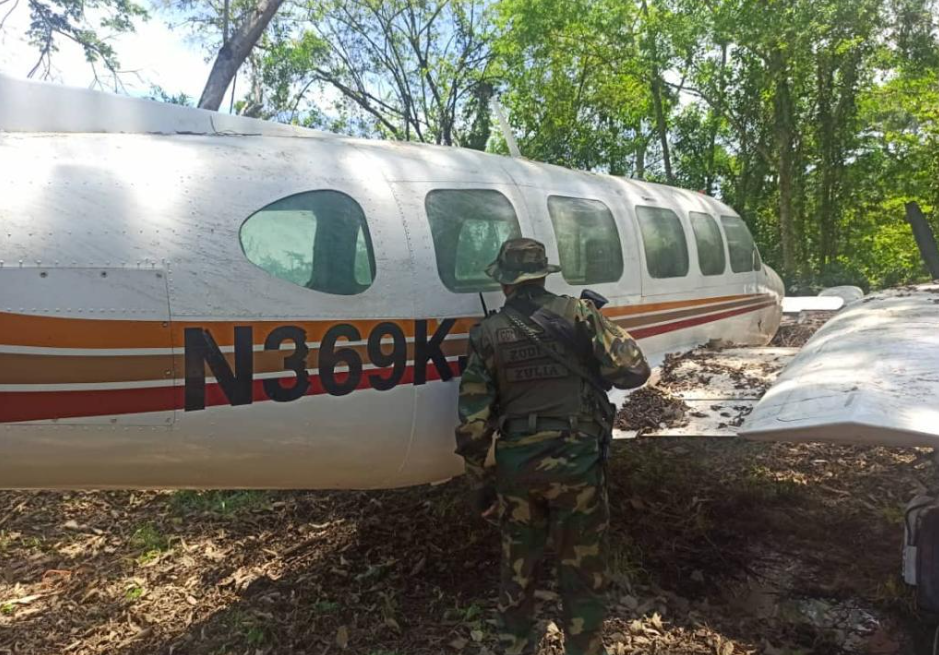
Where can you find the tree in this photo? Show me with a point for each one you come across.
(235, 49)
(87, 23)
(574, 84)
(814, 119)
(402, 69)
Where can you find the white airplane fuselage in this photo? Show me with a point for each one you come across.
(141, 347)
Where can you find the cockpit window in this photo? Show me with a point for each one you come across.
(318, 240)
(744, 256)
(468, 227)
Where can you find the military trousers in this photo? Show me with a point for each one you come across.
(554, 487)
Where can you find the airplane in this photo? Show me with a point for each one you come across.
(197, 300)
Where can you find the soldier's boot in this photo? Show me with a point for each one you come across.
(524, 533)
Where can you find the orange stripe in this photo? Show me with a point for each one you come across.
(630, 322)
(61, 332)
(79, 369)
(672, 304)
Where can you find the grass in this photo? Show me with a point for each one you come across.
(150, 543)
(625, 560)
(33, 543)
(134, 593)
(246, 627)
(256, 635)
(468, 614)
(326, 607)
(760, 486)
(7, 609)
(221, 503)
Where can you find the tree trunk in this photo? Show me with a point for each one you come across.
(233, 53)
(925, 238)
(661, 123)
(783, 110)
(826, 144)
(641, 146)
(718, 112)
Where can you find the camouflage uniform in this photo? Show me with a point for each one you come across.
(549, 475)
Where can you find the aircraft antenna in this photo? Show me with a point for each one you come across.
(483, 301)
(504, 124)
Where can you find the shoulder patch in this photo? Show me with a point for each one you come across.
(507, 335)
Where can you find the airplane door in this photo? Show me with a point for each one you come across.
(454, 231)
(666, 240)
(585, 229)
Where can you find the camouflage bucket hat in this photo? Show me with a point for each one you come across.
(521, 260)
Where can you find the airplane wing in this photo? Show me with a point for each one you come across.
(704, 393)
(799, 304)
(870, 375)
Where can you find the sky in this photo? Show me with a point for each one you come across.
(158, 55)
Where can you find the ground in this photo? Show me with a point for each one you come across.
(719, 546)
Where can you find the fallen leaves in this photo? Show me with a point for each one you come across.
(404, 572)
(342, 637)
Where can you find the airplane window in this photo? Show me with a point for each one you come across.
(710, 244)
(318, 240)
(588, 241)
(468, 227)
(744, 255)
(664, 241)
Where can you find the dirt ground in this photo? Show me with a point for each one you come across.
(719, 546)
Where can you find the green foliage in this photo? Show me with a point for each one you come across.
(397, 69)
(222, 503)
(133, 593)
(149, 542)
(87, 23)
(326, 607)
(817, 121)
(158, 93)
(248, 627)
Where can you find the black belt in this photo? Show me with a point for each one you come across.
(547, 424)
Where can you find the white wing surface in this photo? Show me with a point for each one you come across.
(799, 304)
(870, 375)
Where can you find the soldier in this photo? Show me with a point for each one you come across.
(537, 373)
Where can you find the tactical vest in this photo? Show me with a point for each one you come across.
(531, 384)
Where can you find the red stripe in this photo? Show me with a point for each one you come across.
(17, 406)
(645, 333)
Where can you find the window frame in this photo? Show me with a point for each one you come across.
(449, 280)
(369, 243)
(616, 238)
(645, 253)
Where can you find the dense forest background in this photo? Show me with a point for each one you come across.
(816, 119)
